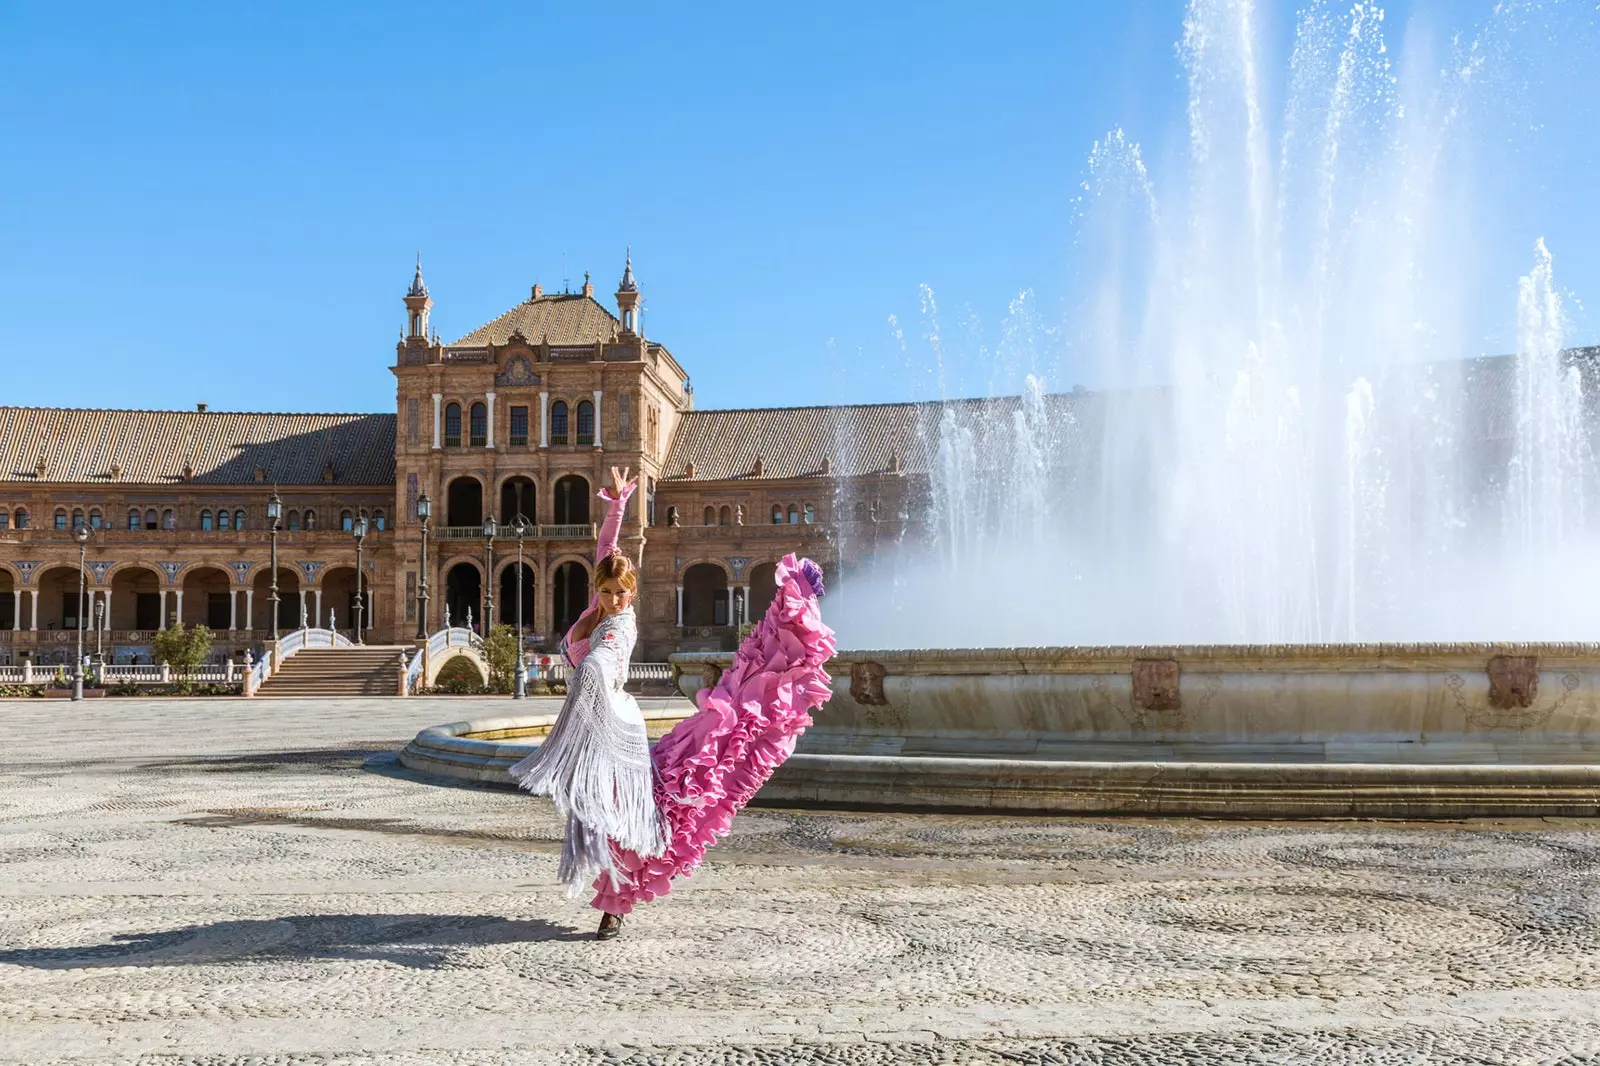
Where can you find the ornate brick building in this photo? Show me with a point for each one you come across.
(521, 418)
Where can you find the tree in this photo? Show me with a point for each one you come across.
(501, 650)
(182, 650)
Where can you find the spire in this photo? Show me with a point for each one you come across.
(418, 286)
(627, 284)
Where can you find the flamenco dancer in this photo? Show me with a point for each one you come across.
(636, 819)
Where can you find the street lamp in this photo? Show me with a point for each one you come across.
(274, 512)
(99, 629)
(360, 532)
(82, 533)
(520, 527)
(424, 511)
(490, 528)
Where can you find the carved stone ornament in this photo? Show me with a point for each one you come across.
(866, 684)
(710, 674)
(1513, 681)
(1155, 684)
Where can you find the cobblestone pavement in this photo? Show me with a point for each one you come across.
(236, 881)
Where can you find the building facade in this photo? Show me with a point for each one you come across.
(519, 421)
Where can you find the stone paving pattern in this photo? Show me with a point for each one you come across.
(230, 882)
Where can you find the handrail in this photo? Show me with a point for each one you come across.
(414, 672)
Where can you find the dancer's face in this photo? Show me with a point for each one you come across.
(613, 597)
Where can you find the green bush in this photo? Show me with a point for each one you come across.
(181, 650)
(458, 677)
(501, 651)
(20, 692)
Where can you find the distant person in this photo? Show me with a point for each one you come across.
(635, 820)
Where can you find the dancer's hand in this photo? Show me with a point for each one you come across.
(620, 481)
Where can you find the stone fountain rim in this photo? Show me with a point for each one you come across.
(1074, 658)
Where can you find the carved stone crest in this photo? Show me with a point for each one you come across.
(866, 684)
(1513, 681)
(1155, 684)
(518, 371)
(710, 674)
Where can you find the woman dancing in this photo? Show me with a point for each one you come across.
(637, 819)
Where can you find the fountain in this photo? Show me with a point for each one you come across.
(1292, 555)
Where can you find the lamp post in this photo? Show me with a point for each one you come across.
(359, 530)
(424, 511)
(82, 533)
(274, 512)
(99, 629)
(519, 526)
(490, 528)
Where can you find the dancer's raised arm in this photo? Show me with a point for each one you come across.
(616, 497)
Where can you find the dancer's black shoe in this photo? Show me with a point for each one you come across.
(610, 926)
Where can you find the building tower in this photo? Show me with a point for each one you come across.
(628, 298)
(418, 304)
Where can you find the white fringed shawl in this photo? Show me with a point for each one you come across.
(595, 764)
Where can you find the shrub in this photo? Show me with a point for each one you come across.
(20, 692)
(458, 677)
(181, 650)
(501, 651)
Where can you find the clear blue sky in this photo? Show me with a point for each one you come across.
(221, 202)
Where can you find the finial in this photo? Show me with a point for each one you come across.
(418, 286)
(627, 283)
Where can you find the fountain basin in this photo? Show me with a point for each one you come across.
(1350, 730)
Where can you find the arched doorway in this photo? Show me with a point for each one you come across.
(463, 592)
(58, 597)
(705, 595)
(339, 599)
(464, 502)
(518, 497)
(763, 581)
(289, 601)
(572, 501)
(505, 603)
(205, 598)
(8, 602)
(570, 593)
(135, 599)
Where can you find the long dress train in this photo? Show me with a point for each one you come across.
(712, 763)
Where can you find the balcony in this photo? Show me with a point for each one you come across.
(581, 531)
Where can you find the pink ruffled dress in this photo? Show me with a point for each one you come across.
(713, 762)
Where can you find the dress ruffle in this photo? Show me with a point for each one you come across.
(711, 764)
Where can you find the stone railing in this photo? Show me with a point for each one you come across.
(569, 531)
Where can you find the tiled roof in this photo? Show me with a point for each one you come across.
(221, 447)
(854, 440)
(560, 318)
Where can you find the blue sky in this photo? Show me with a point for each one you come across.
(222, 202)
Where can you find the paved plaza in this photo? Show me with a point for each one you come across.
(235, 881)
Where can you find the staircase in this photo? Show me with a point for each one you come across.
(328, 673)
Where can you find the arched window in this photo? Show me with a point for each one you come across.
(777, 515)
(810, 515)
(205, 520)
(725, 516)
(169, 519)
(224, 519)
(672, 515)
(135, 519)
(479, 426)
(585, 422)
(238, 519)
(150, 519)
(558, 422)
(311, 518)
(96, 520)
(794, 515)
(23, 519)
(294, 520)
(377, 520)
(711, 516)
(452, 425)
(77, 518)
(347, 521)
(61, 520)
(5, 519)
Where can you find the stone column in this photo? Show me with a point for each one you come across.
(303, 608)
(732, 618)
(680, 605)
(371, 607)
(489, 396)
(746, 611)
(16, 610)
(33, 598)
(250, 609)
(163, 620)
(544, 420)
(233, 611)
(178, 610)
(438, 400)
(317, 593)
(105, 621)
(597, 395)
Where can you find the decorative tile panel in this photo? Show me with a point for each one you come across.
(100, 566)
(171, 570)
(26, 567)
